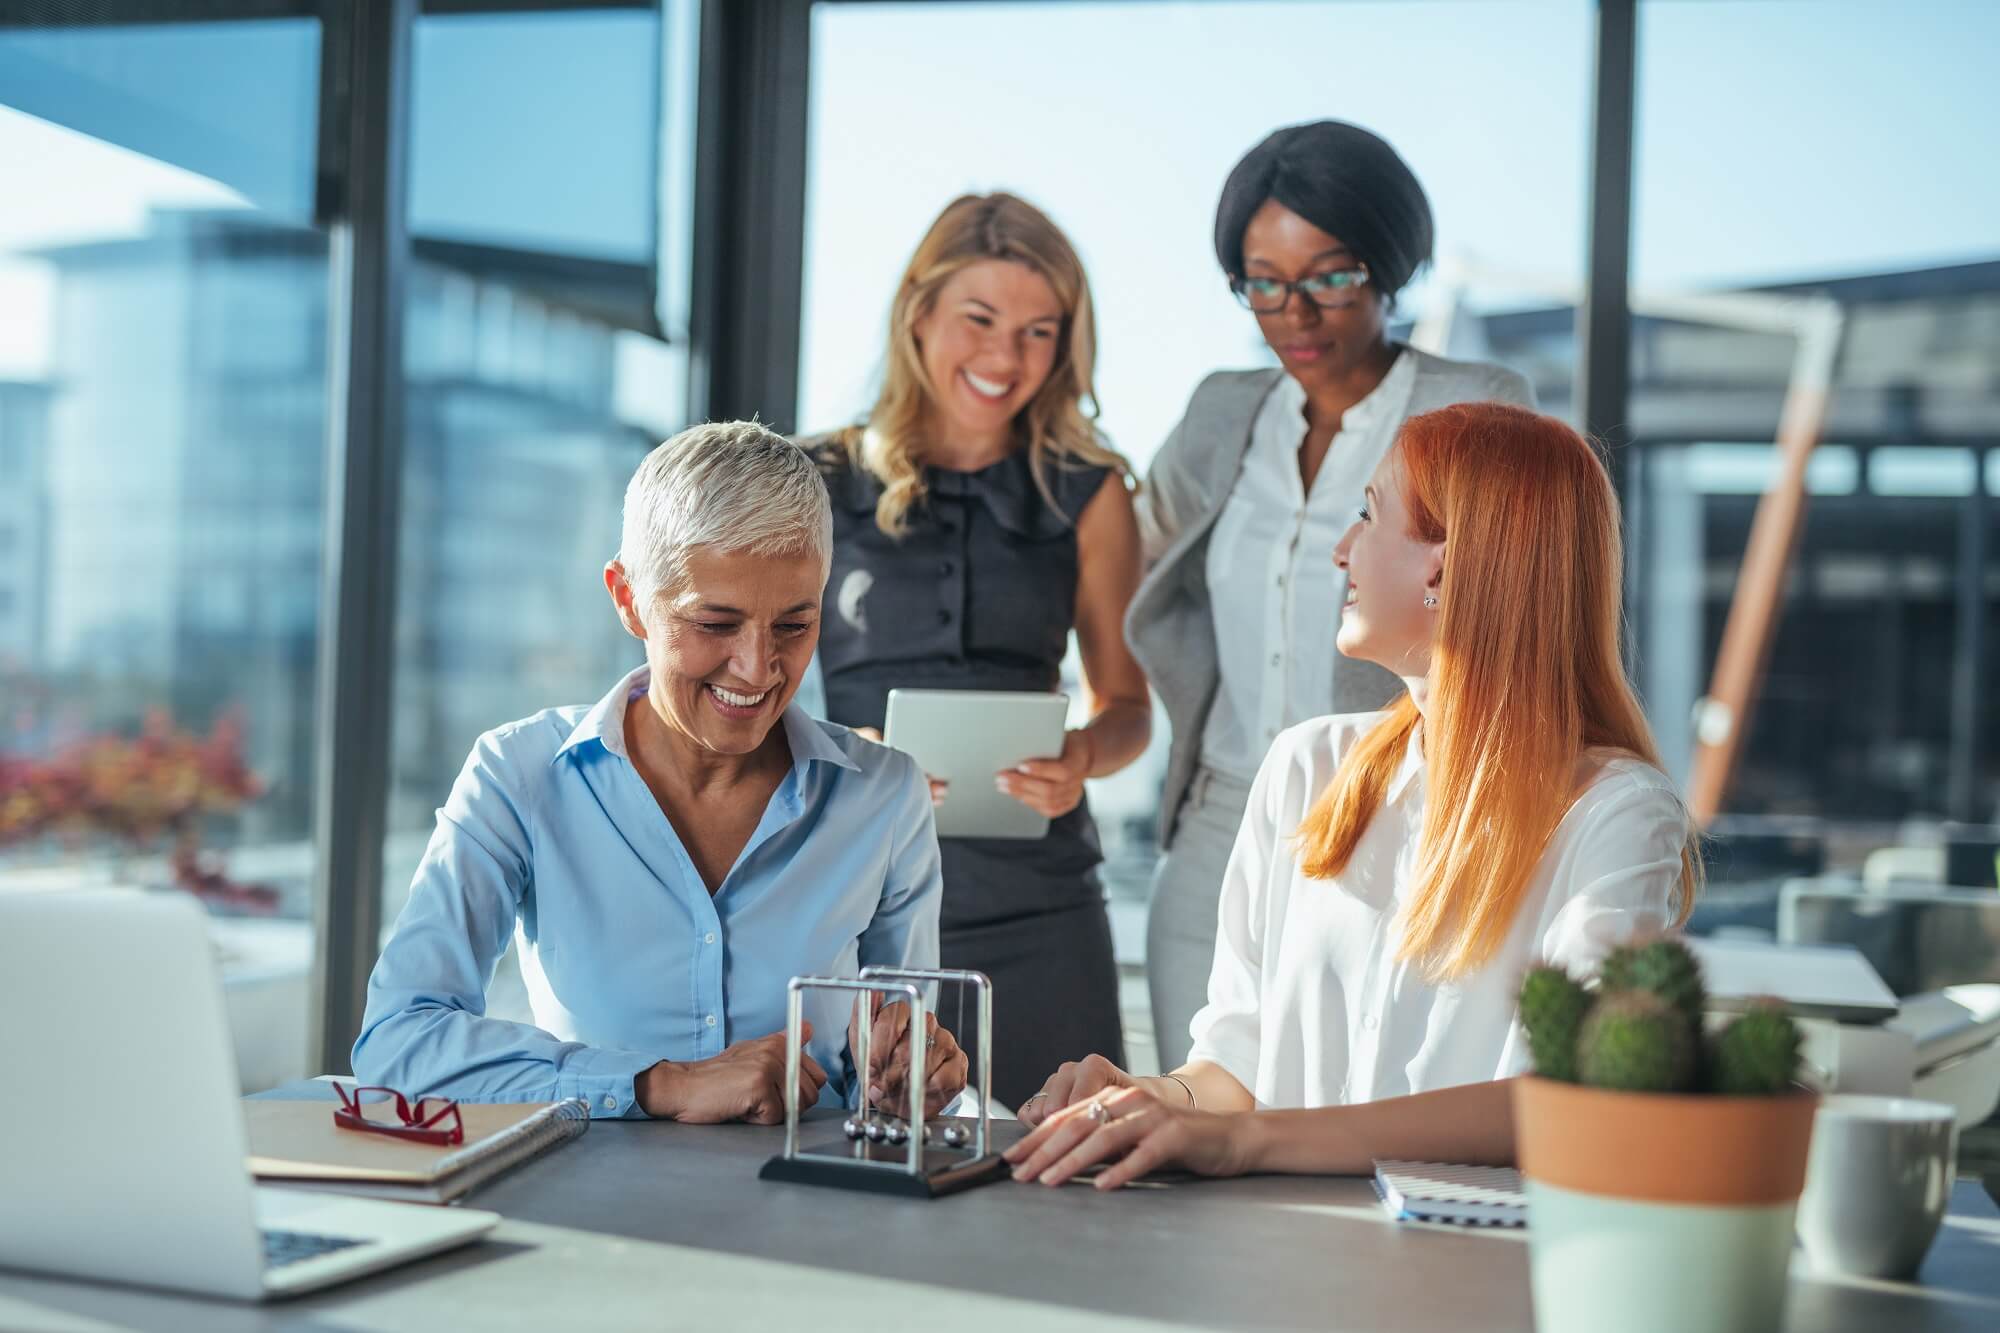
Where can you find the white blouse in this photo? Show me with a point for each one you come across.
(1308, 1004)
(1271, 576)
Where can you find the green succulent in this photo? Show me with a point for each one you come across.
(1553, 1007)
(1664, 966)
(1634, 1041)
(1757, 1055)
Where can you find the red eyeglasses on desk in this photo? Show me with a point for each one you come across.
(425, 1122)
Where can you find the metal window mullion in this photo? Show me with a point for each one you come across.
(1604, 318)
(369, 252)
(749, 205)
(1969, 674)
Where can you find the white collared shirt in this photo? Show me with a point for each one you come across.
(1272, 583)
(1308, 1004)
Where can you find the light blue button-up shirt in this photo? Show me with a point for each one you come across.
(550, 835)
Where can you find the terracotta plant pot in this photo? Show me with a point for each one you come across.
(1651, 1211)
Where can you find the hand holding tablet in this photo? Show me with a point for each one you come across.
(965, 738)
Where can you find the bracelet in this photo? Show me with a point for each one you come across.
(1185, 1087)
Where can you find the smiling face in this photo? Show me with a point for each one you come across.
(1390, 571)
(1316, 344)
(988, 343)
(728, 647)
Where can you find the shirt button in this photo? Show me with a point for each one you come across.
(710, 1020)
(1368, 1023)
(944, 617)
(944, 567)
(708, 938)
(1276, 658)
(610, 1102)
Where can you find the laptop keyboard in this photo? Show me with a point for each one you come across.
(289, 1247)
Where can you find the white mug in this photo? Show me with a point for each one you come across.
(1878, 1179)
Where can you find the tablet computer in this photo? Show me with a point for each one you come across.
(965, 737)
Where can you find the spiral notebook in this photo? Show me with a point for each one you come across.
(1473, 1196)
(296, 1144)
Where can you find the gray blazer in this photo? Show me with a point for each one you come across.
(1168, 623)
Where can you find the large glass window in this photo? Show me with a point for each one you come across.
(162, 422)
(535, 381)
(1791, 188)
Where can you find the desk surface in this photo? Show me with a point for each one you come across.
(648, 1225)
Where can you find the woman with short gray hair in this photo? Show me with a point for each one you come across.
(670, 857)
(730, 485)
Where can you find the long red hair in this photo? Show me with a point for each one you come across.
(1525, 676)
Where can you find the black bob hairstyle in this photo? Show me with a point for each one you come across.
(1345, 181)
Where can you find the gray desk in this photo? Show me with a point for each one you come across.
(641, 1225)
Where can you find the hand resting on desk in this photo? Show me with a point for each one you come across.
(1075, 1081)
(1139, 1133)
(747, 1081)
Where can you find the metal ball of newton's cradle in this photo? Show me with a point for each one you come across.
(899, 1132)
(851, 1127)
(956, 1136)
(875, 1130)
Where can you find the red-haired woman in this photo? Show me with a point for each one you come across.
(1398, 871)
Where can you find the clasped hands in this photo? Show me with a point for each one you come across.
(747, 1081)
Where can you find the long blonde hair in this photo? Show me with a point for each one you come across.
(1054, 426)
(1525, 676)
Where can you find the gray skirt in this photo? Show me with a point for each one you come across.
(1181, 922)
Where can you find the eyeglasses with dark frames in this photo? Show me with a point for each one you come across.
(1329, 290)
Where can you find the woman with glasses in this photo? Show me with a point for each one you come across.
(979, 517)
(1318, 229)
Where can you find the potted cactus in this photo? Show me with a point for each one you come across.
(1663, 1161)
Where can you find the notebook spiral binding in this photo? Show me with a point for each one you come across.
(470, 1167)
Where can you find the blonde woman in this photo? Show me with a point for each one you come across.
(979, 517)
(1398, 871)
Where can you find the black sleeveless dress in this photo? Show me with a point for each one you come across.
(980, 594)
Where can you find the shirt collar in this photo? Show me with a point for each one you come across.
(1388, 398)
(810, 743)
(605, 724)
(1288, 399)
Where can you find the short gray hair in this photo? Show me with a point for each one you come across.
(728, 486)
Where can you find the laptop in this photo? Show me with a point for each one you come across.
(121, 1128)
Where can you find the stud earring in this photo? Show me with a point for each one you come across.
(1430, 600)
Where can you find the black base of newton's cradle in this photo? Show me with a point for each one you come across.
(944, 1172)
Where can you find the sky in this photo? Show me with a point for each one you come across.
(1776, 139)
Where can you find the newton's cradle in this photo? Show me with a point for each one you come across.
(878, 1152)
